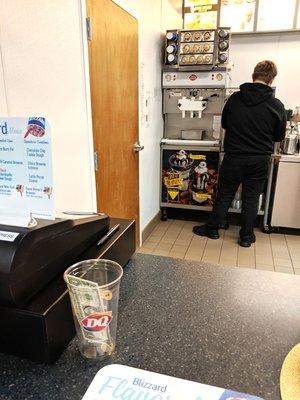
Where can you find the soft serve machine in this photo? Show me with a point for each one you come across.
(194, 82)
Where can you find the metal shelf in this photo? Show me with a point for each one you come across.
(201, 208)
(238, 211)
(186, 206)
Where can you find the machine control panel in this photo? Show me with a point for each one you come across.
(216, 79)
(197, 49)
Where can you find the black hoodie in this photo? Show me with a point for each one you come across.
(253, 120)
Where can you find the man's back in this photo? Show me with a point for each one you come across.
(253, 119)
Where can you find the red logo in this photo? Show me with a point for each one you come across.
(97, 322)
(193, 77)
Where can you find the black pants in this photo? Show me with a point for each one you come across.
(249, 170)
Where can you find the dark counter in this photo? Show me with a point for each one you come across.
(227, 327)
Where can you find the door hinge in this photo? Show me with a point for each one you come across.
(89, 28)
(96, 160)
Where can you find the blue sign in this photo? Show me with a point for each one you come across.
(26, 182)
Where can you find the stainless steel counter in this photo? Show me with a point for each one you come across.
(290, 158)
(282, 199)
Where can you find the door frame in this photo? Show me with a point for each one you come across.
(82, 10)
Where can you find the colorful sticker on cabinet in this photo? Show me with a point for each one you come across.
(173, 194)
(197, 156)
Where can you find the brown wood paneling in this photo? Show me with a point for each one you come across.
(113, 56)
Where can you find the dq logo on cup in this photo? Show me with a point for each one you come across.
(97, 322)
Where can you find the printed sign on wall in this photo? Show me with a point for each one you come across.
(26, 183)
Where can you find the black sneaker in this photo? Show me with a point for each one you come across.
(204, 230)
(247, 242)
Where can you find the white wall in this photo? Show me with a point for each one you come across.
(43, 71)
(171, 14)
(283, 49)
(45, 74)
(3, 102)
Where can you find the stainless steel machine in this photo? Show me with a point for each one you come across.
(196, 85)
(192, 143)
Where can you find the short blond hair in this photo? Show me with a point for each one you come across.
(265, 71)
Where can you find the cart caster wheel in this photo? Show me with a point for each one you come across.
(164, 214)
(267, 229)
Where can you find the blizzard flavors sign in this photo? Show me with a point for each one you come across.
(126, 383)
(26, 182)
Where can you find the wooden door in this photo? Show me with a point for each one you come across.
(113, 59)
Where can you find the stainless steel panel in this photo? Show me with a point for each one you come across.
(286, 207)
(187, 207)
(196, 79)
(174, 124)
(190, 147)
(215, 103)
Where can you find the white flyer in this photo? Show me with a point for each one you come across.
(126, 383)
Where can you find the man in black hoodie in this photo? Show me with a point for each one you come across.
(253, 120)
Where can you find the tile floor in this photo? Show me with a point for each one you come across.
(275, 252)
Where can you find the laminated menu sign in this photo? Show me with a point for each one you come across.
(126, 383)
(26, 183)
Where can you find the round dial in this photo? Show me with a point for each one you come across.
(207, 35)
(206, 47)
(184, 59)
(197, 36)
(223, 45)
(192, 59)
(223, 33)
(219, 77)
(187, 37)
(171, 49)
(186, 48)
(223, 57)
(197, 48)
(199, 59)
(171, 58)
(171, 35)
(207, 59)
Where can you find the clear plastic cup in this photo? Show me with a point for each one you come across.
(94, 291)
